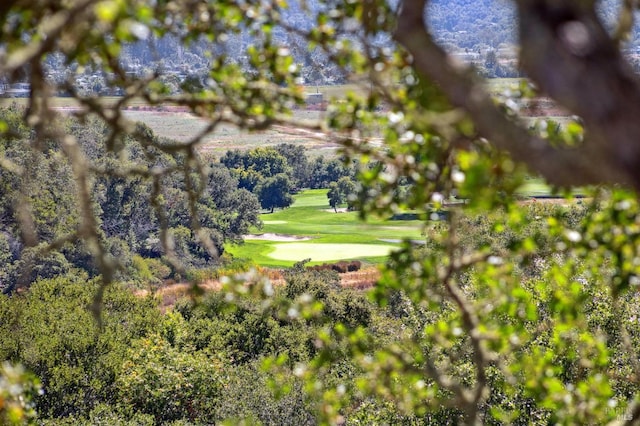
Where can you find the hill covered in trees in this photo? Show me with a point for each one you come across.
(474, 31)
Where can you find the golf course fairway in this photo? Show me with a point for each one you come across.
(323, 252)
(310, 229)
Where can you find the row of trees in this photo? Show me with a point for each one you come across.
(130, 212)
(252, 166)
(275, 173)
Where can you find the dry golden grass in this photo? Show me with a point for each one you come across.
(171, 293)
(362, 279)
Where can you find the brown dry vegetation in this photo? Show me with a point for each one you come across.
(182, 126)
(542, 107)
(170, 293)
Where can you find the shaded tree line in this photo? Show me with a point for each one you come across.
(273, 174)
(130, 211)
(302, 169)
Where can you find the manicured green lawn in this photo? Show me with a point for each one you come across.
(334, 236)
(322, 252)
(536, 187)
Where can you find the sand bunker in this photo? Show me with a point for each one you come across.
(276, 237)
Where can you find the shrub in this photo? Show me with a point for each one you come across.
(170, 383)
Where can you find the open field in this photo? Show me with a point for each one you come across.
(332, 236)
(498, 85)
(176, 124)
(69, 102)
(537, 188)
(338, 91)
(328, 91)
(182, 127)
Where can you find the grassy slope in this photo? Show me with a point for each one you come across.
(309, 217)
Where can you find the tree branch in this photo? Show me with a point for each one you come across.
(561, 166)
(566, 50)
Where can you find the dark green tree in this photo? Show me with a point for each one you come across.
(296, 156)
(347, 187)
(335, 196)
(344, 190)
(275, 192)
(231, 209)
(268, 162)
(252, 166)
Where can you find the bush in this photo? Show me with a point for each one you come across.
(56, 337)
(169, 383)
(341, 267)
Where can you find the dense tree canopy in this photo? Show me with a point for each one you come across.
(507, 313)
(126, 218)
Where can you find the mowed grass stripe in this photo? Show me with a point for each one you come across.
(319, 252)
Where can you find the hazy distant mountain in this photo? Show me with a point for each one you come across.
(473, 24)
(475, 30)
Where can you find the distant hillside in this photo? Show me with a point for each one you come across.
(478, 24)
(482, 32)
(473, 24)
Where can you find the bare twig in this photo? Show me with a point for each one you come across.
(470, 322)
